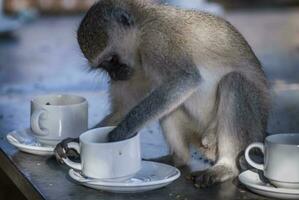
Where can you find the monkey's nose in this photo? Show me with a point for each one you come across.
(114, 59)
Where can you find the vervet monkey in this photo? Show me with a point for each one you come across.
(192, 71)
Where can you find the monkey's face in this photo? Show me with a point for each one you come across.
(99, 45)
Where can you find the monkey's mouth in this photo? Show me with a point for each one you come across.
(116, 70)
(121, 73)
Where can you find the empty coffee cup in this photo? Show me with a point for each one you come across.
(56, 117)
(106, 160)
(281, 159)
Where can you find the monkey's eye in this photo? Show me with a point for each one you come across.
(123, 17)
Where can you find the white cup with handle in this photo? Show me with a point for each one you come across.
(56, 117)
(111, 161)
(281, 159)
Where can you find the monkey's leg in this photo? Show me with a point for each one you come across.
(208, 145)
(240, 117)
(175, 131)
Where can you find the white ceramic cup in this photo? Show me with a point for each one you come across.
(106, 160)
(281, 159)
(56, 117)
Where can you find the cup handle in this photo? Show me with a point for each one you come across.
(34, 120)
(67, 161)
(249, 160)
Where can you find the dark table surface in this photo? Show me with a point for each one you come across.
(43, 57)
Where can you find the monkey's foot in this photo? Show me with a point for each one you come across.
(213, 175)
(62, 151)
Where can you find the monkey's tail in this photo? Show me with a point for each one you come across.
(241, 114)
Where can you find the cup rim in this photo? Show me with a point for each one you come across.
(35, 100)
(268, 139)
(104, 143)
(286, 182)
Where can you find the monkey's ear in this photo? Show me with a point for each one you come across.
(123, 17)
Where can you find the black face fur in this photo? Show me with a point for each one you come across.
(116, 70)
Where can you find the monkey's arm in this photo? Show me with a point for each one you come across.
(110, 120)
(168, 96)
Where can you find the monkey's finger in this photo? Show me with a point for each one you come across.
(113, 137)
(60, 153)
(62, 149)
(59, 159)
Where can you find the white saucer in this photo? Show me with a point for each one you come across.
(25, 141)
(152, 176)
(252, 181)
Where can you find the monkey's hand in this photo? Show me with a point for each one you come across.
(114, 136)
(62, 151)
(118, 134)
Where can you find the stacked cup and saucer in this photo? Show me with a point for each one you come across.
(116, 166)
(52, 118)
(109, 166)
(279, 174)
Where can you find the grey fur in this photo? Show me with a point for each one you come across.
(192, 71)
(158, 103)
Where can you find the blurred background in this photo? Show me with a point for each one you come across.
(39, 54)
(75, 6)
